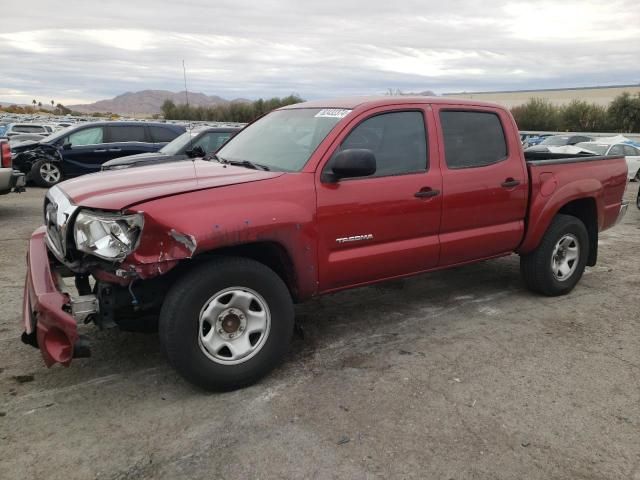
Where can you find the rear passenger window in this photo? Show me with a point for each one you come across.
(630, 151)
(472, 139)
(127, 133)
(398, 140)
(162, 134)
(616, 150)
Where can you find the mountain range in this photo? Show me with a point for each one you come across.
(148, 102)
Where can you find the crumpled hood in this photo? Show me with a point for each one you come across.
(119, 189)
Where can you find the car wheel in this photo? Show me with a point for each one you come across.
(558, 263)
(638, 199)
(45, 173)
(227, 323)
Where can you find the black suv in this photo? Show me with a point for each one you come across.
(199, 142)
(81, 149)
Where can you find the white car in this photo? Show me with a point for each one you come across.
(630, 152)
(18, 128)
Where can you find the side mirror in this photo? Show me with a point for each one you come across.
(196, 151)
(351, 163)
(66, 145)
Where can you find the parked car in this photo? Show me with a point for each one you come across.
(83, 148)
(9, 178)
(17, 128)
(309, 199)
(197, 143)
(630, 153)
(24, 137)
(558, 141)
(530, 139)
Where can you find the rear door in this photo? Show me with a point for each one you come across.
(128, 140)
(84, 151)
(385, 225)
(484, 182)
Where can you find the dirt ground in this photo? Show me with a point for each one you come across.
(452, 375)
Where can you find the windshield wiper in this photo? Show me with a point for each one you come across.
(246, 164)
(239, 163)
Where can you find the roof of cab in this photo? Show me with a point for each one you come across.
(382, 100)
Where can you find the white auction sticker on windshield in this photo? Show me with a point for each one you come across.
(332, 113)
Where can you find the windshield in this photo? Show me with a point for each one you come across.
(58, 135)
(555, 140)
(284, 139)
(592, 147)
(178, 144)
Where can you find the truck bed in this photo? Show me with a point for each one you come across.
(558, 179)
(548, 158)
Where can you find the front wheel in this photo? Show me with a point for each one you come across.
(558, 263)
(45, 173)
(227, 323)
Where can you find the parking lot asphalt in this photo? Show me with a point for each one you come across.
(455, 375)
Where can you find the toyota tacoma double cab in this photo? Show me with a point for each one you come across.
(307, 200)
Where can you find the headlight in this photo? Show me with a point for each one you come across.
(107, 235)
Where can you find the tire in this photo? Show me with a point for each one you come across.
(45, 173)
(549, 274)
(638, 199)
(198, 306)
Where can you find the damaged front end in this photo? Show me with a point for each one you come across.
(115, 281)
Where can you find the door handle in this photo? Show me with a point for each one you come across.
(115, 150)
(427, 193)
(510, 182)
(100, 150)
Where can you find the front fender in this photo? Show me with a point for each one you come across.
(279, 210)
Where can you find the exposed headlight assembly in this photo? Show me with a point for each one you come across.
(110, 236)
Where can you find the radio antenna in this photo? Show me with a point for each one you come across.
(186, 96)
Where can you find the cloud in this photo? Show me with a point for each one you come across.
(79, 51)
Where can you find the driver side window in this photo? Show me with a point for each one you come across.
(88, 136)
(397, 139)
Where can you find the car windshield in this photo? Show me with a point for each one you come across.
(179, 144)
(593, 147)
(555, 140)
(284, 139)
(55, 136)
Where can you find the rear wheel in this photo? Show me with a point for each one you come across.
(227, 323)
(558, 263)
(45, 173)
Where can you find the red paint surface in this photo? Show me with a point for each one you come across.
(56, 330)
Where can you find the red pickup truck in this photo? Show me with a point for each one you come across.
(309, 199)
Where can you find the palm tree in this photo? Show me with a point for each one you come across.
(34, 102)
(52, 103)
(39, 104)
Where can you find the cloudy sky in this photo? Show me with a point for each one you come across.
(81, 51)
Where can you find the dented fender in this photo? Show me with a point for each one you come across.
(181, 227)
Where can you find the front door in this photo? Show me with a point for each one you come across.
(384, 225)
(84, 151)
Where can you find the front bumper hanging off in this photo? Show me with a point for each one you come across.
(51, 315)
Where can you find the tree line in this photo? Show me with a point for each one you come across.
(622, 115)
(242, 112)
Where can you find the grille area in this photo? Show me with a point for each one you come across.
(58, 215)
